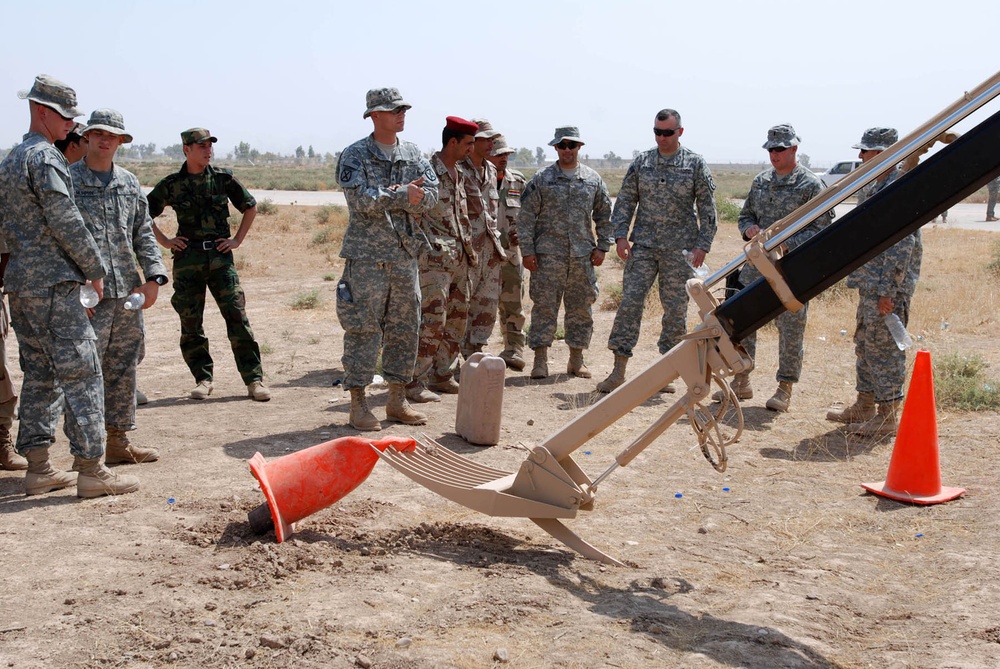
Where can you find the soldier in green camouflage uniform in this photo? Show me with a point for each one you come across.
(115, 210)
(564, 231)
(51, 254)
(387, 184)
(671, 192)
(510, 184)
(774, 194)
(444, 269)
(203, 258)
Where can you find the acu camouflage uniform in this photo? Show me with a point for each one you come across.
(444, 279)
(511, 304)
(484, 279)
(201, 202)
(771, 198)
(560, 214)
(664, 193)
(51, 254)
(117, 215)
(880, 365)
(379, 308)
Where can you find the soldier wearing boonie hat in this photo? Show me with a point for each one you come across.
(885, 286)
(51, 254)
(115, 210)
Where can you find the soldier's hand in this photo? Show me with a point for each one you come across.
(98, 285)
(530, 263)
(512, 236)
(177, 243)
(885, 305)
(624, 248)
(151, 290)
(698, 257)
(597, 257)
(414, 191)
(751, 232)
(225, 245)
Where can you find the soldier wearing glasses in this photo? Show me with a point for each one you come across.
(562, 207)
(664, 187)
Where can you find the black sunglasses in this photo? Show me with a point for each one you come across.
(777, 149)
(665, 132)
(563, 146)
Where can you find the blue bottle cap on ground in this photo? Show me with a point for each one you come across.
(678, 495)
(920, 534)
(725, 490)
(171, 500)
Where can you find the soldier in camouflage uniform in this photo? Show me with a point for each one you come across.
(388, 184)
(510, 185)
(9, 459)
(203, 258)
(51, 254)
(673, 191)
(444, 268)
(992, 190)
(115, 210)
(562, 208)
(774, 194)
(484, 279)
(885, 285)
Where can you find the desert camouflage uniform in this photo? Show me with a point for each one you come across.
(880, 365)
(560, 214)
(8, 393)
(117, 215)
(444, 279)
(201, 202)
(771, 198)
(667, 193)
(511, 304)
(484, 279)
(381, 246)
(51, 254)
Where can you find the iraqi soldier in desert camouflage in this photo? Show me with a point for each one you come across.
(444, 269)
(671, 192)
(203, 260)
(885, 286)
(9, 459)
(774, 194)
(388, 184)
(510, 314)
(116, 213)
(564, 231)
(51, 254)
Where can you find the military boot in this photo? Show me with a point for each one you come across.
(418, 392)
(741, 388)
(882, 424)
(617, 375)
(41, 476)
(782, 397)
(540, 369)
(96, 480)
(511, 355)
(399, 410)
(120, 449)
(361, 417)
(862, 410)
(576, 366)
(9, 459)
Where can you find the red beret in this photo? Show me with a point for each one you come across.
(460, 125)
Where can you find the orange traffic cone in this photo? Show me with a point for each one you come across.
(915, 469)
(300, 484)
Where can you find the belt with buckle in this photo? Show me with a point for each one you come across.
(202, 244)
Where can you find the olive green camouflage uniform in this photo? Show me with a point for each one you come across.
(484, 278)
(201, 202)
(511, 304)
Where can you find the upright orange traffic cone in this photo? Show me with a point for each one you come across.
(915, 469)
(300, 484)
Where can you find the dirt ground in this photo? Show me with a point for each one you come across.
(782, 561)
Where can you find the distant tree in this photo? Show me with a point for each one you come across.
(300, 153)
(523, 156)
(242, 151)
(311, 153)
(805, 160)
(613, 159)
(539, 156)
(174, 152)
(329, 157)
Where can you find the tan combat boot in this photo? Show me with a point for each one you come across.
(741, 388)
(120, 449)
(863, 409)
(616, 377)
(258, 392)
(41, 476)
(540, 369)
(361, 417)
(512, 357)
(418, 392)
(782, 397)
(882, 424)
(9, 459)
(399, 410)
(576, 366)
(96, 480)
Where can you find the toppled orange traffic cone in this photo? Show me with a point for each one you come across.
(915, 469)
(300, 484)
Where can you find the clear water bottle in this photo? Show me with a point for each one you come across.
(135, 301)
(88, 296)
(700, 272)
(898, 331)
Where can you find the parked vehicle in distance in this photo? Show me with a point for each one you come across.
(839, 171)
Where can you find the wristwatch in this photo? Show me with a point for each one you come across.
(160, 279)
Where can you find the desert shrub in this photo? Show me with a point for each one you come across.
(728, 210)
(612, 297)
(960, 382)
(309, 299)
(266, 207)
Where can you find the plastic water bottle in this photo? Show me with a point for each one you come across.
(135, 301)
(88, 296)
(898, 331)
(700, 272)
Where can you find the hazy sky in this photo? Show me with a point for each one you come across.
(283, 74)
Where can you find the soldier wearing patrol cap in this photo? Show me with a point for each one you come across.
(203, 258)
(51, 254)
